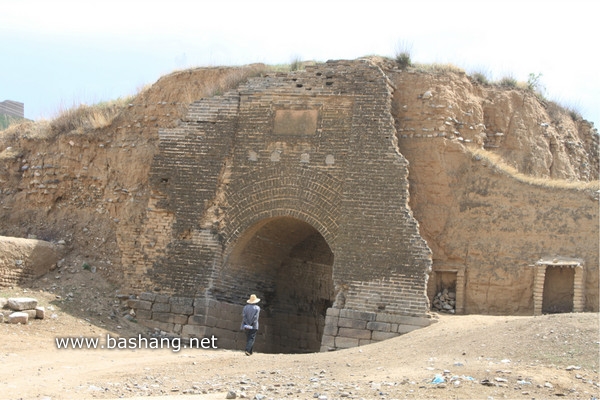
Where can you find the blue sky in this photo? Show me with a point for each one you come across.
(56, 54)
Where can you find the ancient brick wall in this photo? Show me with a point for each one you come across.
(289, 182)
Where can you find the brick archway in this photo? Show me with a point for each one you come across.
(315, 148)
(289, 265)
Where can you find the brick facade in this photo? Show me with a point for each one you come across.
(290, 187)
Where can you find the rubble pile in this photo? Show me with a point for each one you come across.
(445, 301)
(19, 310)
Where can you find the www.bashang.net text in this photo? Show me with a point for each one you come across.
(136, 342)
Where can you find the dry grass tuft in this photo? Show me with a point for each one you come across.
(84, 117)
(233, 80)
(438, 68)
(497, 162)
(27, 130)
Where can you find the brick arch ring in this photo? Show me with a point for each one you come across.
(307, 195)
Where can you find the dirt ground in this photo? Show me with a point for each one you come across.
(472, 357)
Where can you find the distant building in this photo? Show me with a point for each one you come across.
(12, 108)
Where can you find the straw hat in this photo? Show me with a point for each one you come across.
(253, 299)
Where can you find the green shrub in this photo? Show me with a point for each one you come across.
(403, 54)
(480, 78)
(533, 82)
(508, 81)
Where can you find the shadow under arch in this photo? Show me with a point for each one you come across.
(288, 264)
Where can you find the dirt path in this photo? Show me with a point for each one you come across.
(476, 356)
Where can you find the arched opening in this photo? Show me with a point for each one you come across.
(287, 263)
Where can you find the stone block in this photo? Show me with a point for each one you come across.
(225, 334)
(3, 302)
(170, 318)
(182, 309)
(386, 317)
(379, 326)
(161, 316)
(31, 313)
(22, 303)
(144, 305)
(133, 303)
(229, 324)
(193, 331)
(177, 328)
(143, 314)
(164, 326)
(147, 323)
(212, 321)
(147, 296)
(178, 319)
(331, 330)
(352, 323)
(355, 333)
(182, 301)
(333, 312)
(360, 315)
(197, 320)
(18, 317)
(162, 298)
(328, 341)
(200, 302)
(345, 343)
(161, 307)
(331, 322)
(1, 318)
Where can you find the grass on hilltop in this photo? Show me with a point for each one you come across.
(497, 162)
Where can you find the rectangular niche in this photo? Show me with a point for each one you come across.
(558, 286)
(295, 122)
(450, 284)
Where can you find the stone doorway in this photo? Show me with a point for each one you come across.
(558, 286)
(287, 263)
(558, 290)
(446, 287)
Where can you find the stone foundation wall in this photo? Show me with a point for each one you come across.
(349, 328)
(199, 318)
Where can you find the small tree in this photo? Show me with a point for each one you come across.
(403, 55)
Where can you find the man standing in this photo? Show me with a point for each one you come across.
(250, 322)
